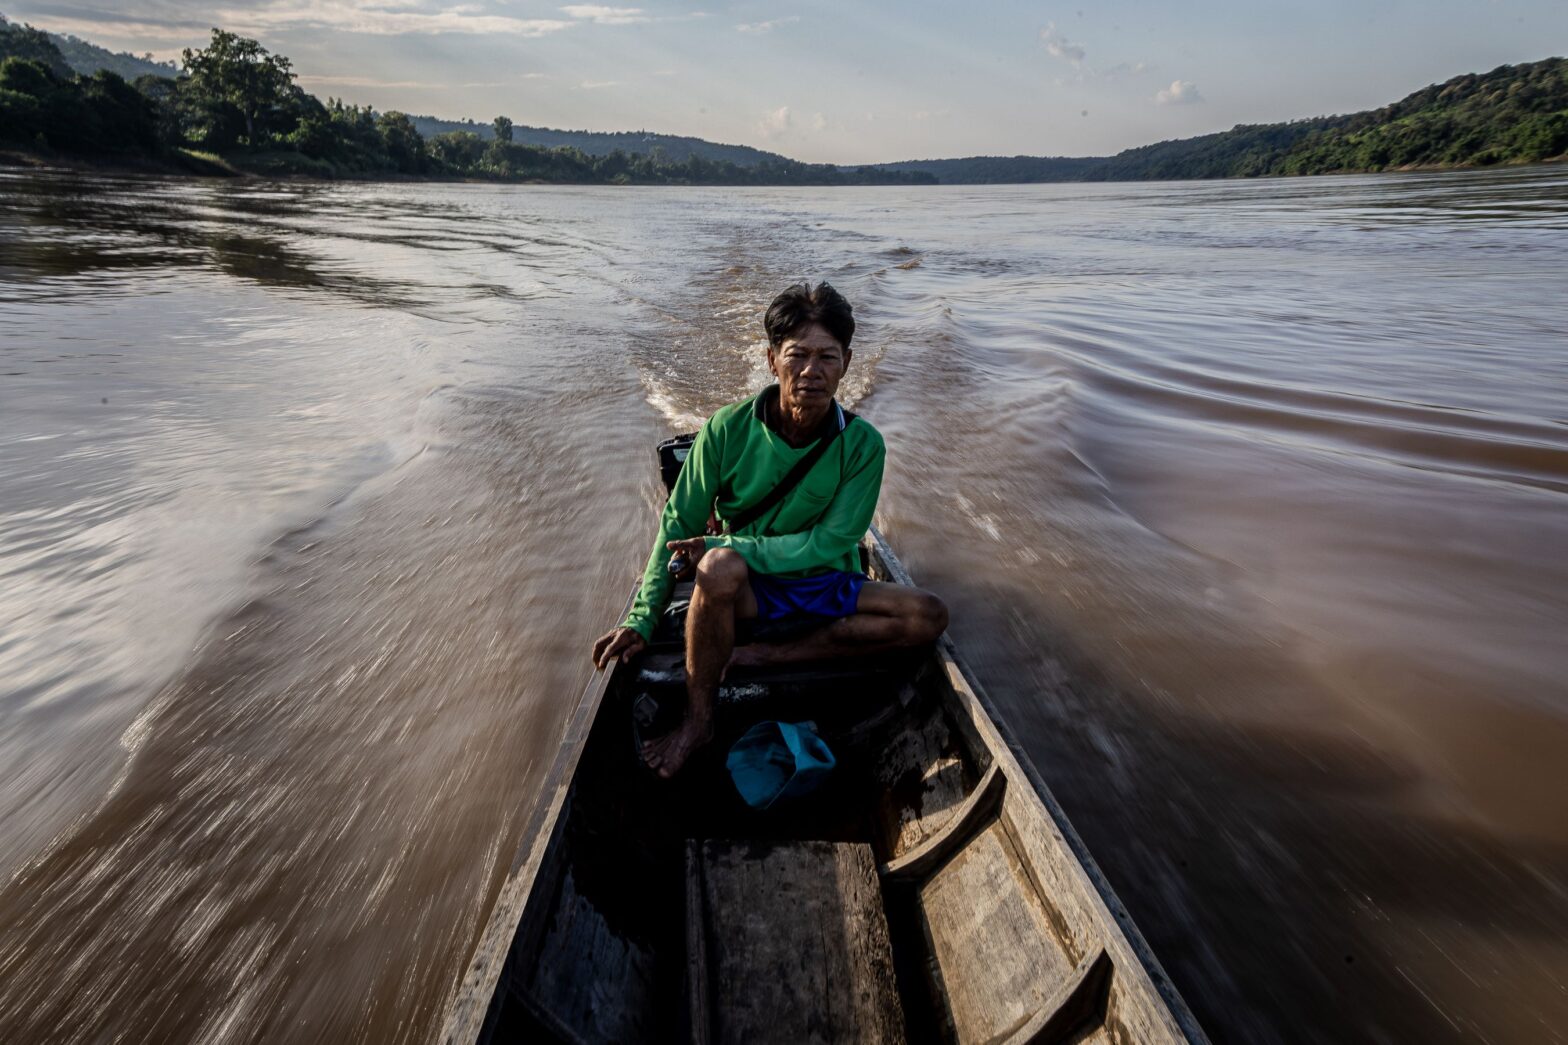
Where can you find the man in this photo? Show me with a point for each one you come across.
(798, 557)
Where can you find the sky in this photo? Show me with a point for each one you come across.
(855, 82)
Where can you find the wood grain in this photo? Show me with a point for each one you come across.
(798, 944)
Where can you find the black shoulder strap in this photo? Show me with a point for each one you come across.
(791, 478)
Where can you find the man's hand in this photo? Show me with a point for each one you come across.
(622, 643)
(692, 548)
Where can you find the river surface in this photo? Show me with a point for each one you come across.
(1250, 501)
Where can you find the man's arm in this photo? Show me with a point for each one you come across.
(837, 533)
(685, 515)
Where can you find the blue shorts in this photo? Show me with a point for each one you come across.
(831, 594)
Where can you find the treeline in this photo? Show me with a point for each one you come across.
(675, 147)
(235, 106)
(1513, 114)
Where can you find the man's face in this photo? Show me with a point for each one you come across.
(809, 365)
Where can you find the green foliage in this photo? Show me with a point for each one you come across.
(127, 120)
(404, 146)
(238, 73)
(675, 148)
(27, 75)
(502, 128)
(101, 112)
(1513, 114)
(458, 151)
(85, 59)
(23, 41)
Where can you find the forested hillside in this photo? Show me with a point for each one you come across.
(234, 108)
(1513, 114)
(85, 58)
(675, 148)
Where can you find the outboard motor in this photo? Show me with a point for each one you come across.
(672, 454)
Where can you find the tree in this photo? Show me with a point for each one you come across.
(240, 72)
(457, 150)
(503, 129)
(27, 75)
(403, 143)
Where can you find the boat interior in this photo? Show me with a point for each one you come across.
(922, 894)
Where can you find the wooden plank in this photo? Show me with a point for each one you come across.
(960, 827)
(798, 946)
(590, 978)
(1077, 1002)
(696, 949)
(922, 783)
(992, 947)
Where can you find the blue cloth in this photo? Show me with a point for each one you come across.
(832, 594)
(774, 760)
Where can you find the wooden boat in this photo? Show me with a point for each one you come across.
(932, 891)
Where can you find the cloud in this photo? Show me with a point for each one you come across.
(594, 85)
(756, 28)
(371, 81)
(363, 81)
(1126, 69)
(1057, 46)
(601, 15)
(1180, 92)
(366, 17)
(375, 18)
(776, 123)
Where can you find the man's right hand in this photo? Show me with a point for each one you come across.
(621, 643)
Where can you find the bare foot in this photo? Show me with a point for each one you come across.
(669, 753)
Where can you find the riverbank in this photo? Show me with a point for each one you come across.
(285, 166)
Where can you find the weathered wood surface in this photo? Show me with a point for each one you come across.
(992, 946)
(699, 1010)
(1078, 1002)
(796, 943)
(591, 979)
(965, 821)
(922, 785)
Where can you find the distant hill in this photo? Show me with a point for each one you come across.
(677, 149)
(86, 59)
(23, 41)
(988, 170)
(1513, 114)
(83, 58)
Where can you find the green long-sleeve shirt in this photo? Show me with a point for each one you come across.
(736, 460)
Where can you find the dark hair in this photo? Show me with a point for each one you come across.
(802, 305)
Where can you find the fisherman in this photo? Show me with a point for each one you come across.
(799, 558)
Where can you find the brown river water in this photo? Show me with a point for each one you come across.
(1250, 501)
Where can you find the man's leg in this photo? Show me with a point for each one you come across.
(721, 596)
(886, 617)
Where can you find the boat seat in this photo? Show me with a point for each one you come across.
(787, 942)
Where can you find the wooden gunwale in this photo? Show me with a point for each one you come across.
(465, 1018)
(1136, 967)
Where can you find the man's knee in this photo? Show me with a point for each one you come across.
(928, 617)
(722, 572)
